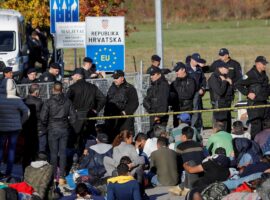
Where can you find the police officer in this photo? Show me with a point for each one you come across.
(87, 100)
(87, 68)
(255, 85)
(235, 71)
(51, 74)
(221, 93)
(155, 62)
(196, 72)
(122, 99)
(182, 91)
(31, 77)
(156, 100)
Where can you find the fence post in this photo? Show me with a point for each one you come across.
(140, 89)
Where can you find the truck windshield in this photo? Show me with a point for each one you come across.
(7, 41)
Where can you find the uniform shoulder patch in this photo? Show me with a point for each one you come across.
(245, 77)
(46, 78)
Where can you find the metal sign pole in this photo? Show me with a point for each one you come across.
(159, 37)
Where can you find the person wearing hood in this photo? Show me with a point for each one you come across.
(182, 91)
(13, 113)
(56, 114)
(39, 175)
(156, 100)
(123, 186)
(94, 156)
(221, 94)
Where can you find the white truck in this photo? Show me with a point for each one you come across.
(13, 44)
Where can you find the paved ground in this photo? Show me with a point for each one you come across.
(161, 193)
(158, 193)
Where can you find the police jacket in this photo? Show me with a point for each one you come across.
(121, 98)
(157, 96)
(198, 76)
(235, 71)
(57, 112)
(87, 73)
(27, 81)
(35, 105)
(220, 91)
(47, 77)
(254, 82)
(182, 91)
(86, 96)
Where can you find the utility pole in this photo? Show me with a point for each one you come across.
(159, 36)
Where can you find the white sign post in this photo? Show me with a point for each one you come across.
(70, 35)
(105, 42)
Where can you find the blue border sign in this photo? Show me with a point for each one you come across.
(63, 11)
(105, 42)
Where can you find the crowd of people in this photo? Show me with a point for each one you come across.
(64, 150)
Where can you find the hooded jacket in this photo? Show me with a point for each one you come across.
(13, 111)
(57, 112)
(123, 187)
(39, 175)
(245, 146)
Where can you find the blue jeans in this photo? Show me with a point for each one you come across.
(154, 181)
(11, 137)
(232, 184)
(57, 139)
(42, 140)
(196, 120)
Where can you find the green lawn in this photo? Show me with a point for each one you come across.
(245, 40)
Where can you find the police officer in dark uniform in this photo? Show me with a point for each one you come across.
(87, 100)
(122, 99)
(87, 67)
(221, 93)
(182, 91)
(195, 71)
(51, 74)
(156, 100)
(255, 85)
(235, 71)
(155, 62)
(31, 77)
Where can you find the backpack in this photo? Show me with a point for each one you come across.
(215, 191)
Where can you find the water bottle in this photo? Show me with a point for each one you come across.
(183, 176)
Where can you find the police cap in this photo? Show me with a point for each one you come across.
(78, 71)
(197, 57)
(154, 70)
(179, 66)
(155, 58)
(87, 59)
(223, 52)
(117, 74)
(262, 60)
(31, 70)
(55, 66)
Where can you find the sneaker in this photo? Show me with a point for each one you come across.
(62, 181)
(185, 191)
(176, 190)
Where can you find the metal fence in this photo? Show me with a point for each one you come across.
(139, 81)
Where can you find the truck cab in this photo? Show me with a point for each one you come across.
(13, 44)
